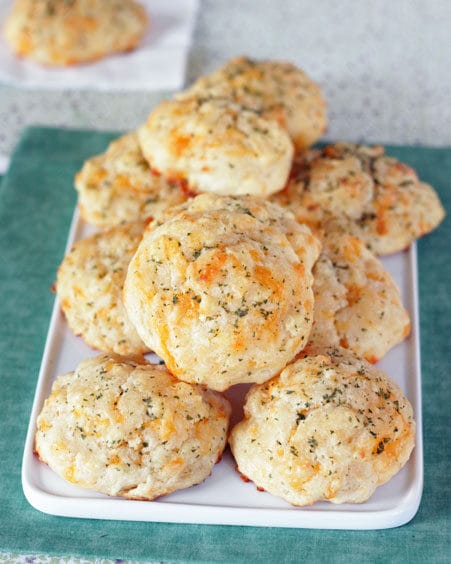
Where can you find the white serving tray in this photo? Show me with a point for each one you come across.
(224, 498)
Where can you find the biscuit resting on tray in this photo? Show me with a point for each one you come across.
(89, 285)
(119, 186)
(69, 32)
(357, 302)
(217, 146)
(125, 428)
(222, 296)
(277, 90)
(362, 191)
(329, 427)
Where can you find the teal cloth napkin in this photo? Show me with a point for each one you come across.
(36, 205)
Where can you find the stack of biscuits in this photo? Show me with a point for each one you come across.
(238, 254)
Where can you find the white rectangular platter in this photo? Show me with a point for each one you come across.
(224, 498)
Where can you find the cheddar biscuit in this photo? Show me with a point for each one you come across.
(276, 89)
(329, 427)
(357, 302)
(69, 32)
(222, 297)
(359, 190)
(89, 285)
(125, 428)
(118, 186)
(216, 146)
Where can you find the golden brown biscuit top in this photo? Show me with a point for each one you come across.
(221, 296)
(357, 302)
(118, 186)
(358, 189)
(123, 427)
(216, 146)
(264, 211)
(259, 85)
(276, 89)
(329, 427)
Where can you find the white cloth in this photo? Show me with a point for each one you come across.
(158, 63)
(4, 164)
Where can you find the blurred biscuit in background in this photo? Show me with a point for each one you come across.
(69, 32)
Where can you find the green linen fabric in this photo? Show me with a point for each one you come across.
(36, 205)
